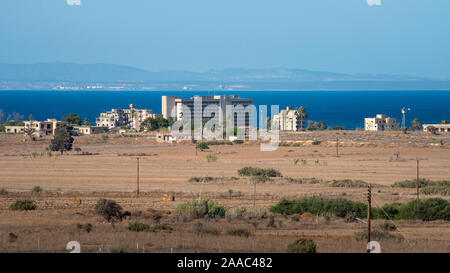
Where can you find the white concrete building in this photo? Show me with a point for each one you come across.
(438, 127)
(176, 107)
(124, 117)
(289, 121)
(380, 123)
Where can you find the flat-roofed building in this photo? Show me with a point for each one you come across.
(176, 107)
(288, 120)
(380, 123)
(444, 128)
(89, 130)
(14, 129)
(132, 117)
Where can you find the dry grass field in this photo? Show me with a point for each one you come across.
(73, 183)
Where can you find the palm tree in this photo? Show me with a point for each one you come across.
(416, 124)
(302, 114)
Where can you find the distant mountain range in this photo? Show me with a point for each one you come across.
(234, 78)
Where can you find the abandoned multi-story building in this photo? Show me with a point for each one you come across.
(288, 120)
(380, 123)
(176, 108)
(40, 128)
(132, 117)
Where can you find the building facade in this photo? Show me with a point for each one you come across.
(380, 123)
(437, 127)
(289, 121)
(132, 117)
(177, 108)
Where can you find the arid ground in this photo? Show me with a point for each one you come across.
(74, 182)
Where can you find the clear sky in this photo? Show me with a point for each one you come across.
(396, 37)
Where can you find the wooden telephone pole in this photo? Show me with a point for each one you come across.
(137, 177)
(369, 208)
(337, 147)
(418, 181)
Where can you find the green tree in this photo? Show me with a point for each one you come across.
(302, 114)
(72, 119)
(444, 121)
(416, 124)
(152, 124)
(62, 141)
(86, 122)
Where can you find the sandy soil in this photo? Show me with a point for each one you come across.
(110, 171)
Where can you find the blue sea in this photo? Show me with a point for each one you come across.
(343, 108)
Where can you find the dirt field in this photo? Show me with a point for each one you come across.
(109, 171)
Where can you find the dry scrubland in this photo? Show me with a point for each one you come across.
(73, 183)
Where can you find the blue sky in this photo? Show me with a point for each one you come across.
(396, 37)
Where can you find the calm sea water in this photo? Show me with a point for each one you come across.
(346, 109)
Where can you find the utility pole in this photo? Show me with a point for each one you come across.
(137, 177)
(254, 195)
(418, 181)
(337, 147)
(369, 208)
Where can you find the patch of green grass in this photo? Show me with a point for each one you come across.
(211, 158)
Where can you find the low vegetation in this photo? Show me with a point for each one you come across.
(251, 171)
(200, 208)
(110, 210)
(320, 206)
(23, 204)
(422, 183)
(202, 229)
(425, 210)
(138, 227)
(239, 231)
(436, 190)
(211, 158)
(302, 245)
(348, 183)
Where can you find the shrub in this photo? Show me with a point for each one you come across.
(202, 146)
(110, 210)
(316, 142)
(238, 141)
(422, 183)
(138, 227)
(211, 158)
(3, 191)
(320, 206)
(200, 208)
(441, 190)
(12, 237)
(251, 171)
(428, 210)
(249, 213)
(239, 231)
(77, 149)
(348, 183)
(259, 179)
(117, 249)
(378, 235)
(23, 204)
(87, 227)
(201, 229)
(157, 227)
(202, 179)
(105, 138)
(302, 245)
(37, 189)
(387, 226)
(303, 180)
